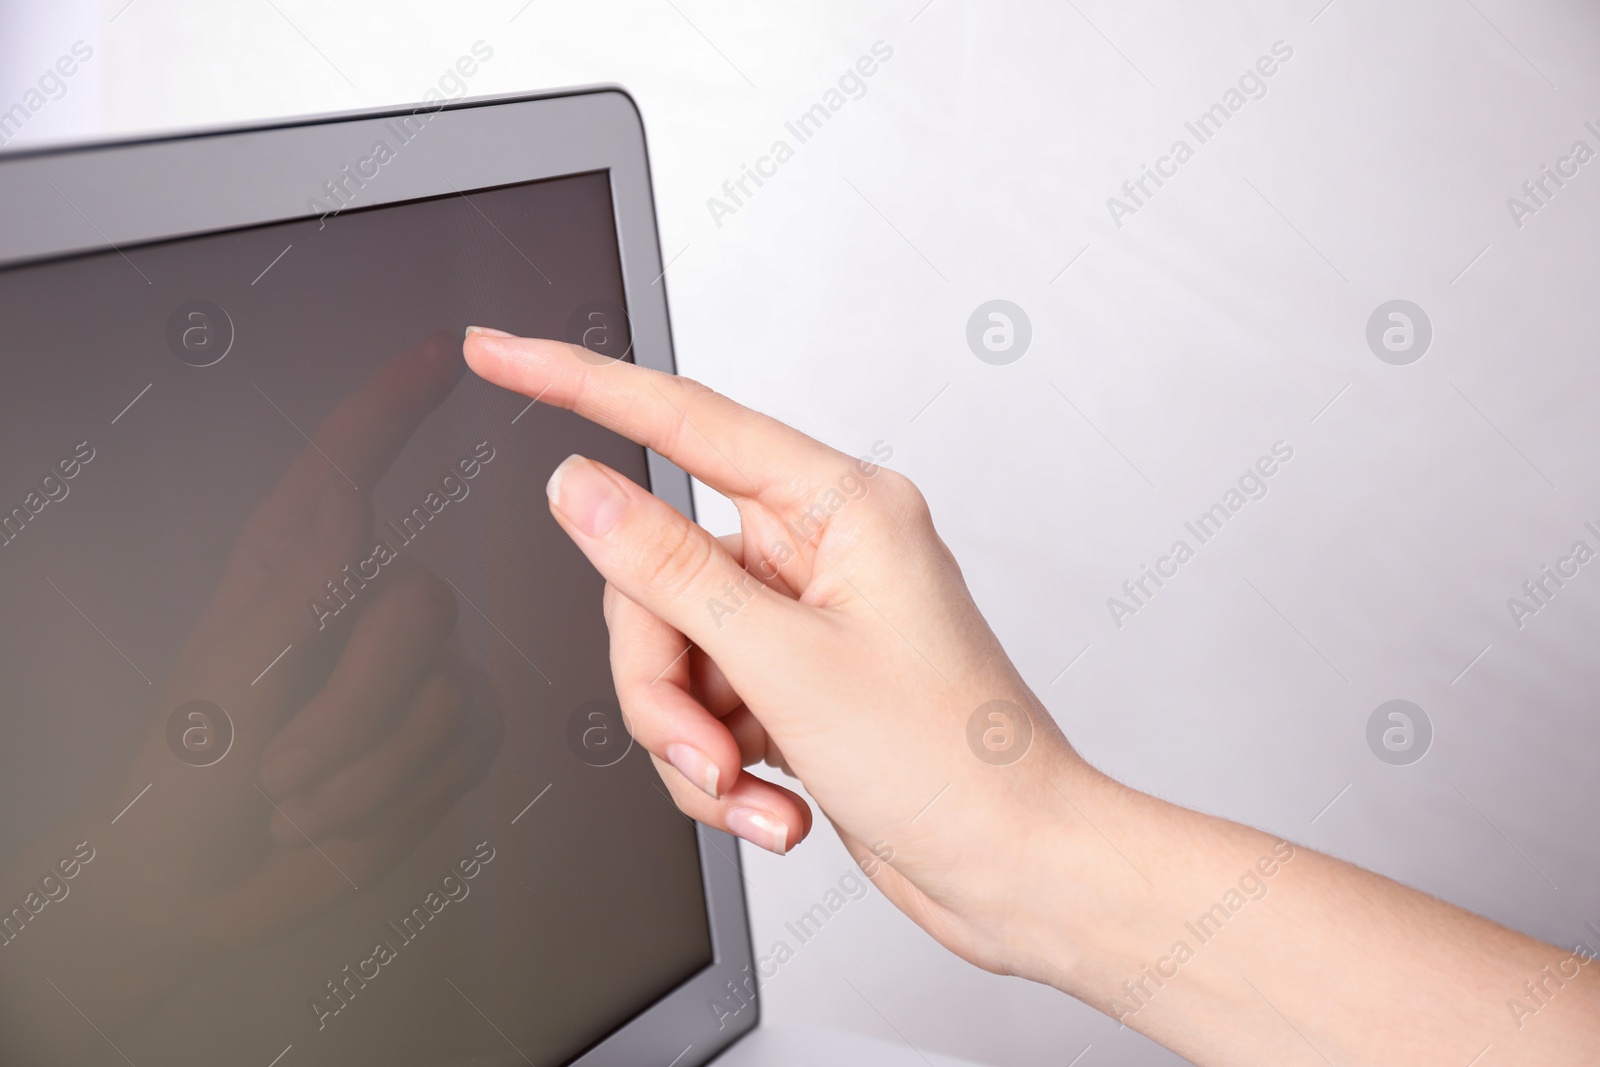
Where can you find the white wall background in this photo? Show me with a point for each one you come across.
(1228, 314)
(33, 37)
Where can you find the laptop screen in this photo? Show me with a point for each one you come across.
(310, 748)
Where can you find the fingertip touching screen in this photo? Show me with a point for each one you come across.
(311, 748)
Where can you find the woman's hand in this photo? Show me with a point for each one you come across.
(834, 638)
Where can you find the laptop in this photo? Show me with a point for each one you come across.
(312, 755)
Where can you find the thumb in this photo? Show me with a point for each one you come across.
(662, 561)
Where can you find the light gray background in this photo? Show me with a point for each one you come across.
(1228, 314)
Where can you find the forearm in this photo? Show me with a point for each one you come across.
(1232, 947)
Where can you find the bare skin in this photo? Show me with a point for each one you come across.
(835, 637)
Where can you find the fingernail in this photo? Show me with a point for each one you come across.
(760, 829)
(587, 495)
(487, 332)
(288, 772)
(695, 766)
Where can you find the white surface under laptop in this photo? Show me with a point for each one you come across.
(806, 1046)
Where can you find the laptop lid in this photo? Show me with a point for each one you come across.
(311, 750)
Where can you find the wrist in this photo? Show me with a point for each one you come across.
(1069, 884)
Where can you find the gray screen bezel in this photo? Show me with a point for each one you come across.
(83, 198)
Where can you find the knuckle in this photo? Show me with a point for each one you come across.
(672, 434)
(675, 559)
(901, 501)
(692, 390)
(691, 396)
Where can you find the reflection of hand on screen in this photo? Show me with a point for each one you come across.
(293, 755)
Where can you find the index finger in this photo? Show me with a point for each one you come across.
(366, 430)
(736, 451)
(329, 480)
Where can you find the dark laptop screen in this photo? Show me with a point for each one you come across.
(308, 744)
